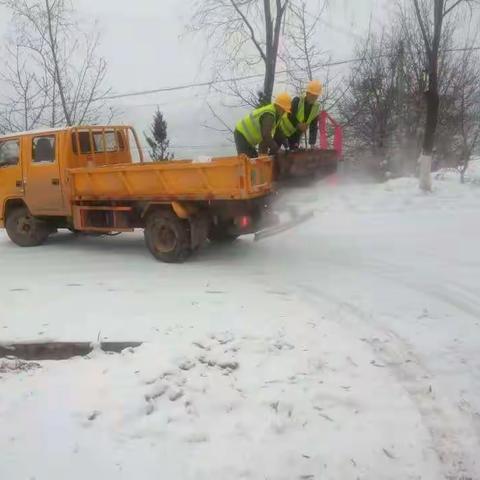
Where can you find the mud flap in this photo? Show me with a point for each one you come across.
(199, 225)
(296, 219)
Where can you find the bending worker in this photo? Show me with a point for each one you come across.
(259, 127)
(304, 115)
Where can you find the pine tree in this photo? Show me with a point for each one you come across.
(158, 140)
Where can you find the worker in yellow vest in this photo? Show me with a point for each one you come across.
(303, 117)
(259, 128)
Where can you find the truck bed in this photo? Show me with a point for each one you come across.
(223, 178)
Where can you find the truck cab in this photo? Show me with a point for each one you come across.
(34, 165)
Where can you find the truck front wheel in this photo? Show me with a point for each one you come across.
(167, 236)
(24, 229)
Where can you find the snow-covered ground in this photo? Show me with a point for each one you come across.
(347, 348)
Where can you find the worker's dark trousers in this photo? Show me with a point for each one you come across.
(243, 146)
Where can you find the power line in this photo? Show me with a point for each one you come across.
(175, 88)
(464, 49)
(209, 83)
(225, 80)
(248, 77)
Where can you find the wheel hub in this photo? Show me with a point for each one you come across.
(24, 225)
(166, 239)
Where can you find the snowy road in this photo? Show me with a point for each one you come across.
(347, 348)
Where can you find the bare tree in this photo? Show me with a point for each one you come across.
(242, 35)
(388, 121)
(59, 45)
(303, 58)
(431, 16)
(302, 54)
(370, 106)
(465, 92)
(27, 94)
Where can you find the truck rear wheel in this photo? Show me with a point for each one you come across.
(167, 236)
(24, 229)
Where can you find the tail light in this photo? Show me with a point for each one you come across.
(243, 221)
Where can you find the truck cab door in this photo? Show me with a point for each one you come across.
(11, 178)
(42, 181)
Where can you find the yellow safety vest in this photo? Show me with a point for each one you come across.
(250, 126)
(287, 126)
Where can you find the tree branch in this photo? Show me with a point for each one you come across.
(452, 7)
(422, 28)
(250, 29)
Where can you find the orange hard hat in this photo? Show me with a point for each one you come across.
(315, 88)
(284, 101)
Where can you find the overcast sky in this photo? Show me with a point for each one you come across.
(142, 42)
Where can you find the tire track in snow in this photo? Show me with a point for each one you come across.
(463, 298)
(447, 426)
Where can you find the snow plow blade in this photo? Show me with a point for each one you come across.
(297, 219)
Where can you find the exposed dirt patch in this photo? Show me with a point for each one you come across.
(15, 365)
(59, 350)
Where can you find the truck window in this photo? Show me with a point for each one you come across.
(43, 149)
(9, 153)
(84, 140)
(111, 144)
(121, 141)
(98, 142)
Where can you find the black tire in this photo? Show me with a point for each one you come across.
(24, 229)
(219, 233)
(167, 236)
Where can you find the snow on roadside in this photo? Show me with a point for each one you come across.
(396, 195)
(451, 174)
(292, 405)
(239, 378)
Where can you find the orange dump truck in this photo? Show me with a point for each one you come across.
(93, 179)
